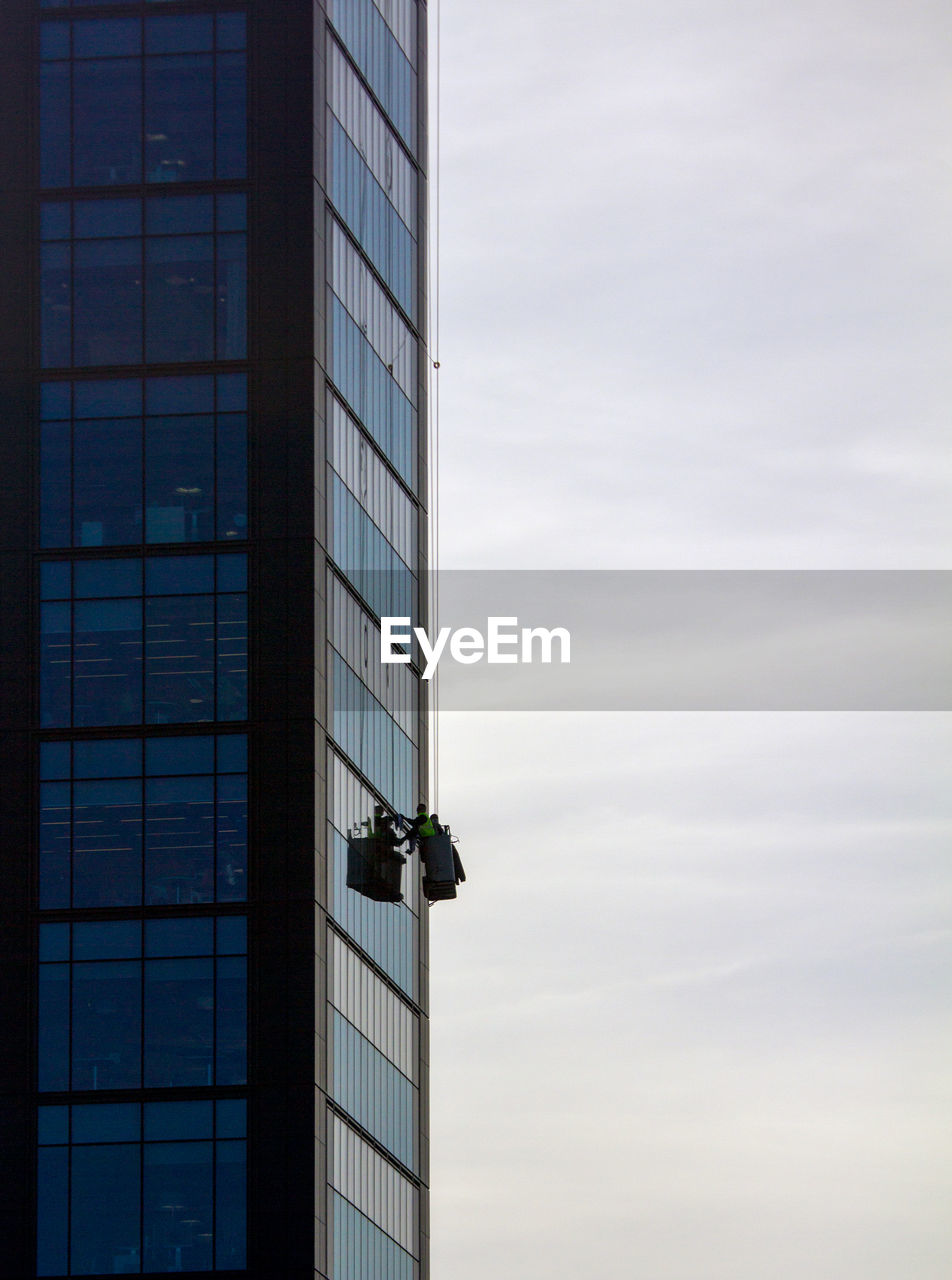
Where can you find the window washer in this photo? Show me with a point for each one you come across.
(373, 824)
(412, 827)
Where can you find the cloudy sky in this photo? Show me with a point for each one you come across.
(692, 1012)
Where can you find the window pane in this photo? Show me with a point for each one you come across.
(177, 1201)
(107, 482)
(105, 1242)
(232, 476)
(55, 827)
(180, 479)
(232, 839)
(180, 282)
(107, 122)
(108, 636)
(56, 304)
(55, 484)
(179, 1022)
(106, 1025)
(232, 117)
(109, 397)
(108, 302)
(230, 1193)
(106, 37)
(107, 843)
(232, 657)
(54, 125)
(180, 839)
(55, 664)
(53, 1027)
(52, 1211)
(179, 128)
(179, 35)
(118, 758)
(180, 671)
(232, 1018)
(232, 298)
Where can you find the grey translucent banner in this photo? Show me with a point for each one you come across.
(701, 640)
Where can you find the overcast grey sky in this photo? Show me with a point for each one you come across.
(692, 1010)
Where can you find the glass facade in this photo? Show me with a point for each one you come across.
(155, 641)
(372, 415)
(126, 1004)
(173, 414)
(131, 460)
(127, 821)
(171, 1173)
(136, 990)
(143, 99)
(162, 280)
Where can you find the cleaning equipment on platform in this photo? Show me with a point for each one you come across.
(442, 868)
(375, 867)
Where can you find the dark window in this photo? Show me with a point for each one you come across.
(111, 1017)
(184, 96)
(107, 479)
(112, 835)
(120, 651)
(177, 294)
(172, 1175)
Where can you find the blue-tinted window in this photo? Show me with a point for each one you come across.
(387, 933)
(185, 99)
(378, 227)
(368, 560)
(383, 63)
(174, 475)
(362, 1251)
(372, 738)
(160, 1006)
(111, 655)
(371, 1089)
(371, 390)
(173, 1177)
(112, 835)
(112, 297)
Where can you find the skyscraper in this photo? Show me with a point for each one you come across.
(213, 477)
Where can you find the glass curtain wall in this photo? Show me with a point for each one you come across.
(372, 415)
(141, 582)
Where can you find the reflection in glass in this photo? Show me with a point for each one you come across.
(108, 658)
(180, 284)
(107, 843)
(180, 478)
(177, 1205)
(106, 1025)
(107, 477)
(180, 840)
(107, 302)
(105, 1242)
(179, 666)
(107, 97)
(179, 114)
(179, 1022)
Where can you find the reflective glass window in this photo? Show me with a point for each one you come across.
(173, 1175)
(170, 475)
(112, 655)
(112, 834)
(384, 64)
(113, 1018)
(112, 297)
(372, 1090)
(113, 113)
